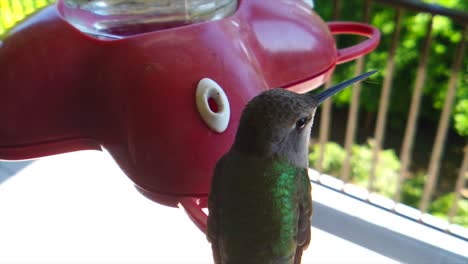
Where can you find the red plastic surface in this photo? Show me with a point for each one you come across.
(193, 208)
(345, 54)
(64, 91)
(354, 28)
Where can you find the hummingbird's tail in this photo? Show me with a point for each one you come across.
(298, 256)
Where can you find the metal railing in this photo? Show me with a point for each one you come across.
(400, 6)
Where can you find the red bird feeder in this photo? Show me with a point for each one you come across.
(165, 103)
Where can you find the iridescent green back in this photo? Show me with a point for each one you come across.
(258, 222)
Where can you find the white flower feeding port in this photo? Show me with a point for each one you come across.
(213, 105)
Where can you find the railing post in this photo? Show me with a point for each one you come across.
(410, 130)
(462, 176)
(384, 99)
(325, 120)
(336, 9)
(434, 164)
(353, 111)
(325, 115)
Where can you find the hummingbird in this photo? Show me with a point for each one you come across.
(260, 203)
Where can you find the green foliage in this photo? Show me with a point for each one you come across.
(12, 12)
(332, 160)
(446, 36)
(442, 205)
(386, 171)
(412, 190)
(461, 117)
(361, 160)
(455, 4)
(386, 177)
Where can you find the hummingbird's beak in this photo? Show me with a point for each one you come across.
(333, 90)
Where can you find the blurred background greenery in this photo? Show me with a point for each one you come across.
(446, 36)
(13, 11)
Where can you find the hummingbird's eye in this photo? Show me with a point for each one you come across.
(301, 123)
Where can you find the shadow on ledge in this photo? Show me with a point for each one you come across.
(380, 239)
(9, 169)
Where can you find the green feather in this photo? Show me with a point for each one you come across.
(258, 220)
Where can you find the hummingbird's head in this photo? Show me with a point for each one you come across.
(278, 122)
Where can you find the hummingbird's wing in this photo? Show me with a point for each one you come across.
(305, 214)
